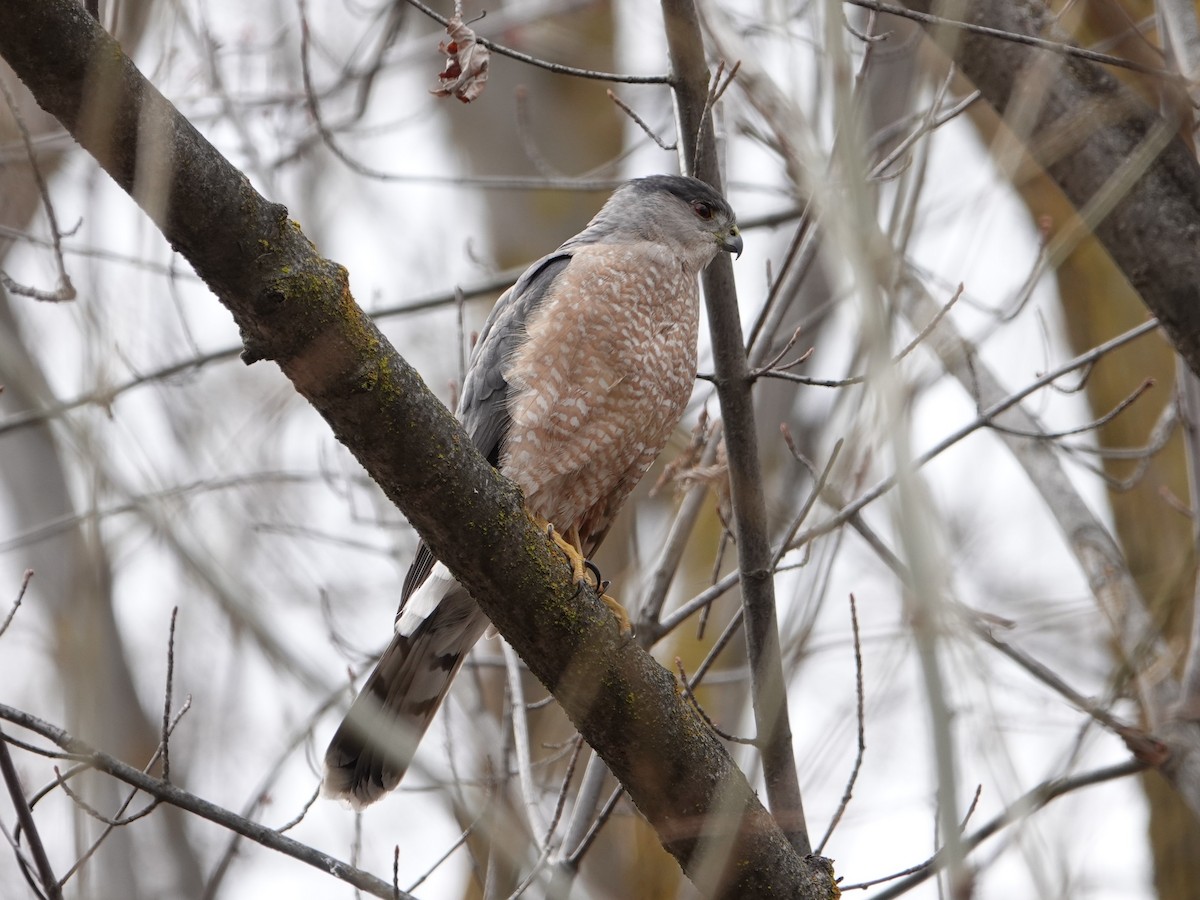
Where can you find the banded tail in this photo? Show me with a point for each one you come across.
(374, 745)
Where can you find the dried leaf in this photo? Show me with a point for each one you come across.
(466, 68)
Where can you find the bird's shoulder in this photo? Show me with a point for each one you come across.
(518, 302)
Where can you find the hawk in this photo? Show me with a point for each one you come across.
(580, 374)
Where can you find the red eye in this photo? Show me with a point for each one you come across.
(702, 209)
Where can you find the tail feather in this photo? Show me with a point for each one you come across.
(374, 745)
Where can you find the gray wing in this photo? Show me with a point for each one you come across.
(483, 404)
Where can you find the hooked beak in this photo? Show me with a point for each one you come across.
(733, 243)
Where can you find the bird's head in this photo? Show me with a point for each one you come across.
(684, 214)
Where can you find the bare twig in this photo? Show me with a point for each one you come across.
(557, 68)
(930, 121)
(1081, 429)
(565, 869)
(982, 627)
(649, 626)
(105, 397)
(299, 817)
(821, 479)
(111, 821)
(860, 718)
(687, 689)
(1047, 676)
(1189, 402)
(990, 412)
(547, 841)
(166, 716)
(525, 135)
(772, 371)
(605, 814)
(65, 290)
(119, 818)
(59, 295)
(327, 137)
(462, 839)
(1016, 38)
(639, 121)
(169, 793)
(16, 793)
(774, 362)
(1025, 806)
(717, 87)
(25, 579)
(520, 723)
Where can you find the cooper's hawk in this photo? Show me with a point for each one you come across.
(580, 374)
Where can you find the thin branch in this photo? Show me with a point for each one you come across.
(687, 690)
(1189, 409)
(693, 100)
(111, 821)
(1047, 676)
(985, 418)
(104, 398)
(25, 579)
(1138, 741)
(166, 716)
(860, 719)
(559, 806)
(59, 295)
(25, 816)
(717, 86)
(1030, 40)
(462, 839)
(1080, 429)
(639, 121)
(605, 814)
(28, 870)
(1034, 800)
(566, 869)
(327, 137)
(650, 628)
(525, 135)
(117, 820)
(169, 793)
(929, 124)
(299, 817)
(771, 371)
(820, 480)
(65, 291)
(557, 68)
(520, 728)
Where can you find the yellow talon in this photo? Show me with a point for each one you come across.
(572, 549)
(574, 554)
(618, 610)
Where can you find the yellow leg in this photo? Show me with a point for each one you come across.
(573, 550)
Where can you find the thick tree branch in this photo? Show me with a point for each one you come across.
(295, 307)
(1137, 187)
(1136, 184)
(755, 556)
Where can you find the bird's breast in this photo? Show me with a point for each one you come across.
(599, 383)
